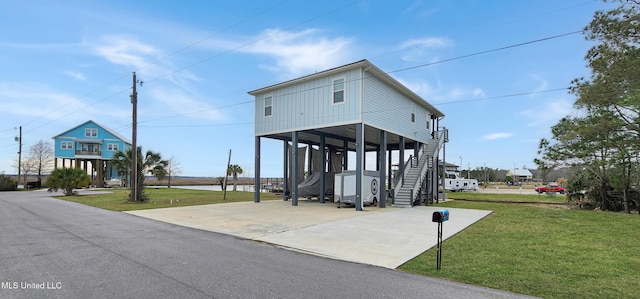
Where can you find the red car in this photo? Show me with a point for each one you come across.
(552, 187)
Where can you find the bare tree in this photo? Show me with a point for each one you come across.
(27, 166)
(171, 169)
(41, 154)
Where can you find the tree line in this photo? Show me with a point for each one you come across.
(603, 142)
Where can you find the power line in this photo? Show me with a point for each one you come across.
(487, 51)
(401, 70)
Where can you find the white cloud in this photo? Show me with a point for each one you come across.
(436, 94)
(295, 53)
(75, 75)
(179, 103)
(300, 52)
(420, 49)
(548, 114)
(495, 136)
(125, 50)
(543, 84)
(49, 104)
(427, 42)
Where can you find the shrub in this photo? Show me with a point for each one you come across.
(7, 183)
(67, 179)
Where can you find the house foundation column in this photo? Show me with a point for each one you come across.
(285, 184)
(382, 151)
(294, 168)
(323, 155)
(359, 165)
(256, 181)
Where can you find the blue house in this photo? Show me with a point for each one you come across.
(352, 110)
(89, 146)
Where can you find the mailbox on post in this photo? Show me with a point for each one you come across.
(440, 216)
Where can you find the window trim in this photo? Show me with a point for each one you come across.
(88, 132)
(112, 147)
(265, 106)
(66, 145)
(333, 90)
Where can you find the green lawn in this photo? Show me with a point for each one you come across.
(161, 198)
(504, 197)
(540, 251)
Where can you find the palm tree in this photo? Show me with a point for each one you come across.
(152, 163)
(234, 170)
(67, 179)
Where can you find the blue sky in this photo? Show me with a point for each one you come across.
(65, 62)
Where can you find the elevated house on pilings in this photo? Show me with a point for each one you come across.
(355, 108)
(89, 146)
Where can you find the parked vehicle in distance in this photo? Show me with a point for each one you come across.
(113, 183)
(551, 188)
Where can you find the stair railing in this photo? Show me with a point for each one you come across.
(424, 167)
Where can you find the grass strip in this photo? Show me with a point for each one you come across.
(116, 200)
(545, 252)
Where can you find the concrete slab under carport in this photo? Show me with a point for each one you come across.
(385, 237)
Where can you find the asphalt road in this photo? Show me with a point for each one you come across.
(51, 248)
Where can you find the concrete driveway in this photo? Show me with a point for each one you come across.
(385, 237)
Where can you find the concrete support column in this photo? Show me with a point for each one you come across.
(359, 164)
(285, 184)
(323, 155)
(401, 164)
(100, 168)
(309, 158)
(345, 154)
(382, 151)
(256, 181)
(389, 170)
(294, 168)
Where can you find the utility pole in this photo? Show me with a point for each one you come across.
(134, 149)
(19, 154)
(226, 175)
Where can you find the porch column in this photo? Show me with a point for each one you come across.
(256, 180)
(382, 151)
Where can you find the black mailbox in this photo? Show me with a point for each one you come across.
(440, 216)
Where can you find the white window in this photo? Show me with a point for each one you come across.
(112, 147)
(338, 91)
(66, 145)
(428, 121)
(90, 132)
(413, 114)
(268, 106)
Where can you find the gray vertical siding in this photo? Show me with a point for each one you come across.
(310, 105)
(386, 108)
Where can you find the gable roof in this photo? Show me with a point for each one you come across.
(368, 67)
(114, 133)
